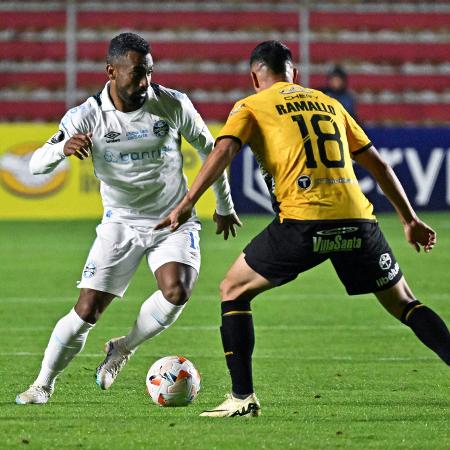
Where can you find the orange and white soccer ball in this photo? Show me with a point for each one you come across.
(173, 381)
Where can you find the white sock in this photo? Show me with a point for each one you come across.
(156, 314)
(67, 340)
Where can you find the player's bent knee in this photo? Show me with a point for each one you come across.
(176, 293)
(87, 312)
(227, 289)
(233, 291)
(91, 304)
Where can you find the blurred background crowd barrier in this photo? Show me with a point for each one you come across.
(396, 55)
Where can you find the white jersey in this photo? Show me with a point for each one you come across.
(137, 155)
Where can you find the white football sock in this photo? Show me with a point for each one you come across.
(67, 340)
(156, 314)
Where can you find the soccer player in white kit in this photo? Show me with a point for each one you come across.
(132, 130)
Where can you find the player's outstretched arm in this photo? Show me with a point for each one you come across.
(417, 233)
(214, 165)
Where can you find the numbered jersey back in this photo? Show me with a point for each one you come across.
(303, 141)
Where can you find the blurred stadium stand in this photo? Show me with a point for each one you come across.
(397, 54)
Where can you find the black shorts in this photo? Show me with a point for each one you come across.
(357, 249)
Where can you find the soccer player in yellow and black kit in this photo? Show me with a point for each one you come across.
(305, 142)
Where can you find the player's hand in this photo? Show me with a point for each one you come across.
(419, 234)
(177, 217)
(79, 145)
(226, 224)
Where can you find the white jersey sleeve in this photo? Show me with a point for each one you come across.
(46, 158)
(195, 131)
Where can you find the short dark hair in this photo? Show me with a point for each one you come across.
(274, 54)
(123, 43)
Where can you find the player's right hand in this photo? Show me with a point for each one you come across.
(419, 234)
(79, 145)
(177, 216)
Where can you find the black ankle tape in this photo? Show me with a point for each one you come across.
(235, 305)
(408, 308)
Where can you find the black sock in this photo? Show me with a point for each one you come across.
(429, 328)
(238, 340)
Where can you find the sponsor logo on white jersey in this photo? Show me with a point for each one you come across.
(126, 157)
(161, 128)
(89, 269)
(139, 134)
(111, 137)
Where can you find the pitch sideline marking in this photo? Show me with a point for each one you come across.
(302, 358)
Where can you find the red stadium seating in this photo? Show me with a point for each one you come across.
(32, 50)
(33, 80)
(231, 20)
(35, 20)
(236, 51)
(379, 21)
(191, 20)
(22, 47)
(224, 81)
(153, 20)
(397, 52)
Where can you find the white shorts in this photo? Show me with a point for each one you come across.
(119, 248)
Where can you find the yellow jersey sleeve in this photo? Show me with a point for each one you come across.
(358, 141)
(239, 124)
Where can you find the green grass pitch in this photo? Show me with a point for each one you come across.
(331, 371)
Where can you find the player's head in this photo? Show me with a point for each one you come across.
(271, 61)
(129, 68)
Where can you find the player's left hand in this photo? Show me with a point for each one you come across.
(418, 234)
(177, 217)
(226, 224)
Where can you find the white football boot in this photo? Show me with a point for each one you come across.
(116, 357)
(235, 407)
(35, 394)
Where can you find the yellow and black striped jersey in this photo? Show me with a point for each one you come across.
(303, 141)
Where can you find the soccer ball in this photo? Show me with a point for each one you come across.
(173, 381)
